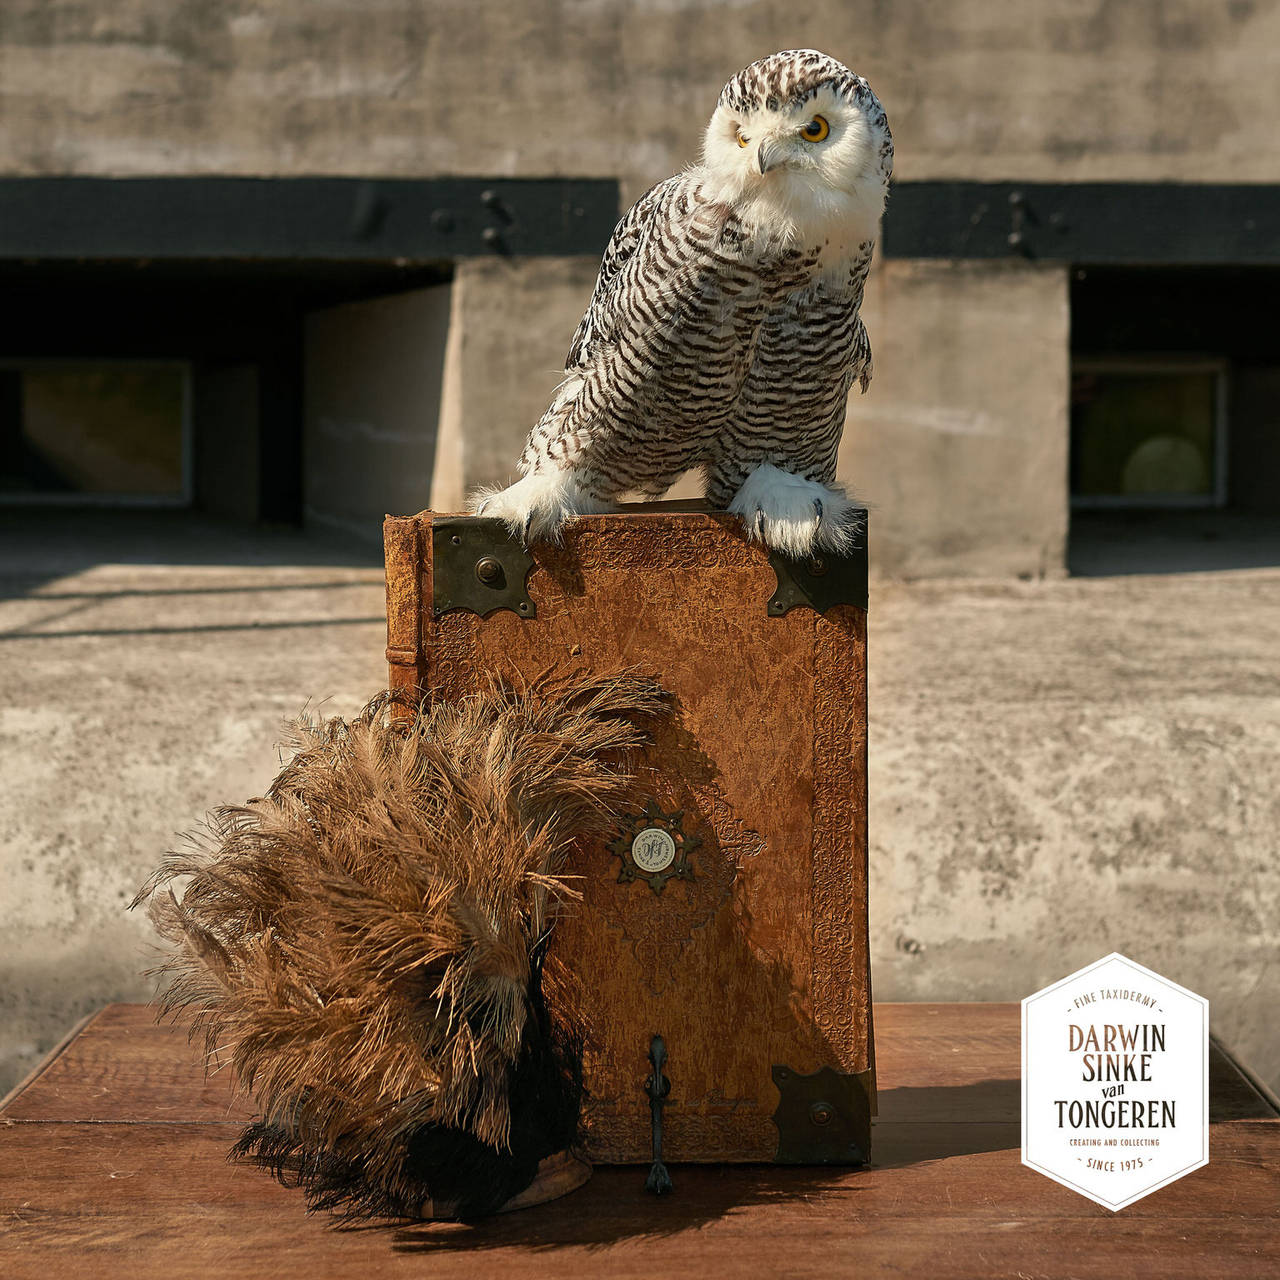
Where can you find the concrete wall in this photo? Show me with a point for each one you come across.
(960, 443)
(149, 661)
(1076, 89)
(509, 331)
(1061, 769)
(374, 374)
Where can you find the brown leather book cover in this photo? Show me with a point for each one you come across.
(729, 912)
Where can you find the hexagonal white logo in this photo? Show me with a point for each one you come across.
(1115, 1081)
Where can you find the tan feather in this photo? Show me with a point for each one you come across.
(361, 943)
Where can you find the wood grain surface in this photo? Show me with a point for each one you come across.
(761, 959)
(114, 1164)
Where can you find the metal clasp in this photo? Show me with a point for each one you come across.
(823, 1117)
(657, 1087)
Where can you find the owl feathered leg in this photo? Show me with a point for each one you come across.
(793, 515)
(558, 480)
(538, 505)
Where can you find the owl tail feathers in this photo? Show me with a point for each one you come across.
(538, 505)
(796, 516)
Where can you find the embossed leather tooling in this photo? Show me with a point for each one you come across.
(761, 957)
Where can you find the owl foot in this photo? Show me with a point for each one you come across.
(794, 515)
(538, 505)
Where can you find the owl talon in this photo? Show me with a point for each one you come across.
(538, 505)
(793, 515)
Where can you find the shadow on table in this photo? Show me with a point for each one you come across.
(940, 1121)
(614, 1206)
(914, 1126)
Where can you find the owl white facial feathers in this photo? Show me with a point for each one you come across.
(802, 117)
(723, 332)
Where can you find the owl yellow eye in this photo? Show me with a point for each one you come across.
(742, 139)
(816, 129)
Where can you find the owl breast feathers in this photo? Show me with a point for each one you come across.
(724, 331)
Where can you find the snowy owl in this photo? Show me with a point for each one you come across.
(723, 332)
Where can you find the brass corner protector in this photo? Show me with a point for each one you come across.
(821, 581)
(478, 566)
(823, 1117)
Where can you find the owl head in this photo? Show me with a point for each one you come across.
(801, 147)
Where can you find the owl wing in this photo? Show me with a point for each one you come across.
(641, 384)
(623, 244)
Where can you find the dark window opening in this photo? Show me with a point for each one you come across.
(167, 383)
(1175, 419)
(1148, 433)
(114, 431)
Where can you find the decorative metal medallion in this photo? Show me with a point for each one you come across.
(659, 927)
(654, 848)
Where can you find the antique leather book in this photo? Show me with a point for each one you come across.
(729, 912)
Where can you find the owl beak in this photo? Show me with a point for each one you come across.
(769, 156)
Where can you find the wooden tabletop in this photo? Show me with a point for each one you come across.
(113, 1163)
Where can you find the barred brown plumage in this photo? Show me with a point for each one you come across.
(724, 330)
(366, 944)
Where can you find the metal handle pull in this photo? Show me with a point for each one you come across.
(657, 1087)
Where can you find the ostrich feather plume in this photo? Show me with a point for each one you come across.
(366, 944)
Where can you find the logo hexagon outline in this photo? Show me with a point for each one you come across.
(1053, 1064)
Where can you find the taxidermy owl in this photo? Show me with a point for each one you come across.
(723, 332)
